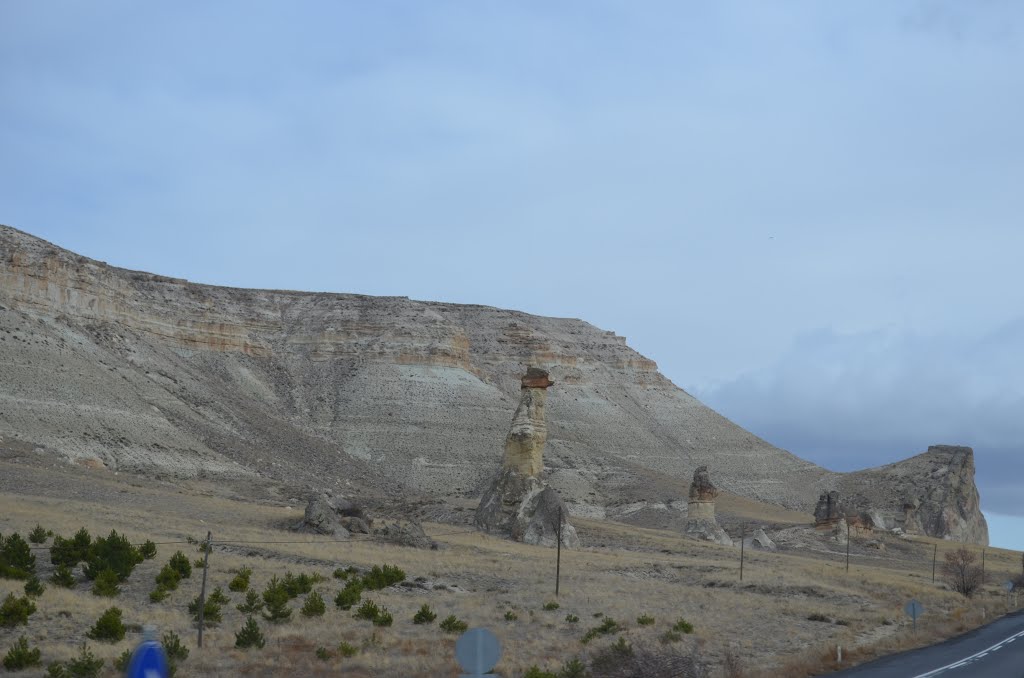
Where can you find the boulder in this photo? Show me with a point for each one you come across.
(355, 525)
(320, 518)
(761, 541)
(409, 534)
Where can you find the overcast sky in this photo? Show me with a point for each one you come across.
(809, 213)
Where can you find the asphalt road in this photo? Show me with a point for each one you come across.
(992, 651)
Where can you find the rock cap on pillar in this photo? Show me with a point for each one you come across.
(536, 378)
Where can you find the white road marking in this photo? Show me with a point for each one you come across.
(963, 662)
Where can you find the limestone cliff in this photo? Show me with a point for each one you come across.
(141, 372)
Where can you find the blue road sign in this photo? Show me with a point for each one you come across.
(914, 609)
(477, 651)
(148, 661)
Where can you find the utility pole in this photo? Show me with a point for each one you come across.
(743, 534)
(847, 544)
(202, 591)
(935, 559)
(982, 567)
(558, 561)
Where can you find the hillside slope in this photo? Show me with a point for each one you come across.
(141, 372)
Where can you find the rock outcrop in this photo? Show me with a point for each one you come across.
(700, 510)
(829, 510)
(321, 517)
(142, 373)
(518, 504)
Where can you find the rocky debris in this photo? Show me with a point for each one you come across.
(424, 584)
(518, 503)
(320, 517)
(761, 541)
(700, 516)
(408, 534)
(829, 510)
(355, 524)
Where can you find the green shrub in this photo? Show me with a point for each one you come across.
(818, 617)
(37, 535)
(424, 616)
(63, 577)
(612, 658)
(349, 595)
(211, 611)
(106, 584)
(368, 610)
(670, 636)
(573, 668)
(275, 598)
(240, 584)
(645, 620)
(57, 670)
(249, 636)
(511, 616)
(452, 624)
(218, 597)
(179, 562)
(175, 651)
(121, 663)
(345, 573)
(168, 577)
(552, 605)
(682, 626)
(158, 595)
(199, 564)
(148, 550)
(34, 588)
(85, 665)
(14, 611)
(534, 672)
(346, 650)
(296, 586)
(21, 656)
(323, 654)
(382, 577)
(571, 618)
(253, 604)
(384, 618)
(16, 559)
(113, 552)
(70, 552)
(314, 605)
(108, 627)
(606, 627)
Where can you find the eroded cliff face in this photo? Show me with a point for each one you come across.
(142, 372)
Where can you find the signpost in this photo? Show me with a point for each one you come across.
(477, 651)
(1009, 586)
(914, 610)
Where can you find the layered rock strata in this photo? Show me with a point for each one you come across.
(518, 503)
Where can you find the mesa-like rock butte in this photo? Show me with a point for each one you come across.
(137, 372)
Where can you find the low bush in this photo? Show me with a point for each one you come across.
(34, 588)
(606, 627)
(70, 552)
(168, 577)
(218, 597)
(511, 616)
(368, 610)
(346, 650)
(16, 558)
(297, 585)
(452, 624)
(21, 656)
(38, 535)
(818, 617)
(109, 627)
(670, 636)
(344, 574)
(571, 618)
(382, 577)
(105, 584)
(148, 550)
(179, 562)
(250, 636)
(253, 604)
(350, 595)
(15, 611)
(612, 657)
(682, 626)
(175, 651)
(122, 661)
(158, 595)
(198, 564)
(211, 611)
(240, 584)
(314, 605)
(113, 552)
(551, 605)
(63, 577)
(323, 654)
(645, 620)
(534, 672)
(85, 665)
(424, 616)
(573, 668)
(275, 599)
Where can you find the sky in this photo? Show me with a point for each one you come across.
(808, 213)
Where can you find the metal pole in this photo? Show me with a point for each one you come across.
(743, 532)
(202, 591)
(982, 567)
(558, 561)
(935, 559)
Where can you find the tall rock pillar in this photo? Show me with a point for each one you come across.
(700, 510)
(518, 504)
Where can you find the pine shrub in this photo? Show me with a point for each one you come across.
(211, 611)
(63, 577)
(275, 598)
(344, 574)
(323, 654)
(218, 597)
(382, 577)
(571, 618)
(70, 552)
(424, 616)
(179, 562)
(16, 558)
(645, 620)
(551, 605)
(253, 604)
(34, 588)
(682, 626)
(158, 595)
(349, 595)
(297, 585)
(573, 668)
(14, 611)
(347, 650)
(85, 665)
(105, 584)
(452, 624)
(175, 651)
(368, 610)
(314, 605)
(535, 672)
(168, 577)
(606, 627)
(21, 656)
(121, 663)
(249, 636)
(240, 584)
(148, 550)
(383, 618)
(113, 552)
(511, 616)
(37, 535)
(109, 627)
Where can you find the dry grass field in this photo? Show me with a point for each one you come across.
(759, 626)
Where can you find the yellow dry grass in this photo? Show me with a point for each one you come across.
(763, 620)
